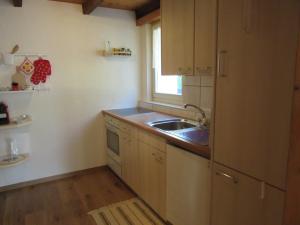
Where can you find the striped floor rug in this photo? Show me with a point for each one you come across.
(130, 212)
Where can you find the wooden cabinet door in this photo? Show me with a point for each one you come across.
(236, 199)
(153, 177)
(205, 36)
(130, 167)
(177, 24)
(240, 200)
(188, 188)
(257, 42)
(273, 206)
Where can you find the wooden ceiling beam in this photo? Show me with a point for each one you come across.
(90, 5)
(147, 9)
(149, 18)
(18, 3)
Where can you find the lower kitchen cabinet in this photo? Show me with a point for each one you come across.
(240, 200)
(188, 188)
(152, 167)
(130, 158)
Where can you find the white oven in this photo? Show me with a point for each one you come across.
(113, 146)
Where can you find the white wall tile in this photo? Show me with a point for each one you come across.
(207, 81)
(191, 95)
(191, 80)
(207, 97)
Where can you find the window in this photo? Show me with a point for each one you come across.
(165, 88)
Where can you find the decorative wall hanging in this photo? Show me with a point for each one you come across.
(42, 69)
(26, 67)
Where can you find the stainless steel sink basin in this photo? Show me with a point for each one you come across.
(173, 125)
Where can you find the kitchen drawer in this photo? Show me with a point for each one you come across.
(125, 127)
(112, 121)
(152, 140)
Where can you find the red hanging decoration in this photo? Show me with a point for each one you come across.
(42, 69)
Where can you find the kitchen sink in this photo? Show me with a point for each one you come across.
(173, 125)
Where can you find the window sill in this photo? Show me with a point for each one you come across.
(173, 109)
(157, 103)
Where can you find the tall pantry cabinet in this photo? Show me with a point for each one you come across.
(257, 43)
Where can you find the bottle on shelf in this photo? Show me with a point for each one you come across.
(4, 115)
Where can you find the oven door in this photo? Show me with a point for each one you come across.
(113, 143)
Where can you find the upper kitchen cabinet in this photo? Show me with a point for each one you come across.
(257, 42)
(205, 37)
(177, 22)
(188, 37)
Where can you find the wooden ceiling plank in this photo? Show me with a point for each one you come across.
(18, 3)
(70, 1)
(90, 5)
(149, 18)
(124, 4)
(141, 7)
(147, 8)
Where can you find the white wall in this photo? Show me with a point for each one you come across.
(66, 134)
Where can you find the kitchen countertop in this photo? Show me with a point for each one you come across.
(195, 141)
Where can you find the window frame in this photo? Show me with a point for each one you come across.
(161, 97)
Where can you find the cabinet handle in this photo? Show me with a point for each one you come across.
(221, 63)
(179, 72)
(188, 71)
(159, 159)
(185, 71)
(203, 70)
(234, 179)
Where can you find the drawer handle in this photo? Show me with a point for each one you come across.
(159, 159)
(234, 179)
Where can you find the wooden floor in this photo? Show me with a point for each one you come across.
(63, 202)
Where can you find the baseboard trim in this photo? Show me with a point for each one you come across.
(50, 179)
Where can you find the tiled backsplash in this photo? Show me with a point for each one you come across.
(173, 110)
(199, 90)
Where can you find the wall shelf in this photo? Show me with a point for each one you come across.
(6, 162)
(14, 124)
(16, 92)
(118, 54)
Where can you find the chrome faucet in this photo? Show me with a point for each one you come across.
(203, 120)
